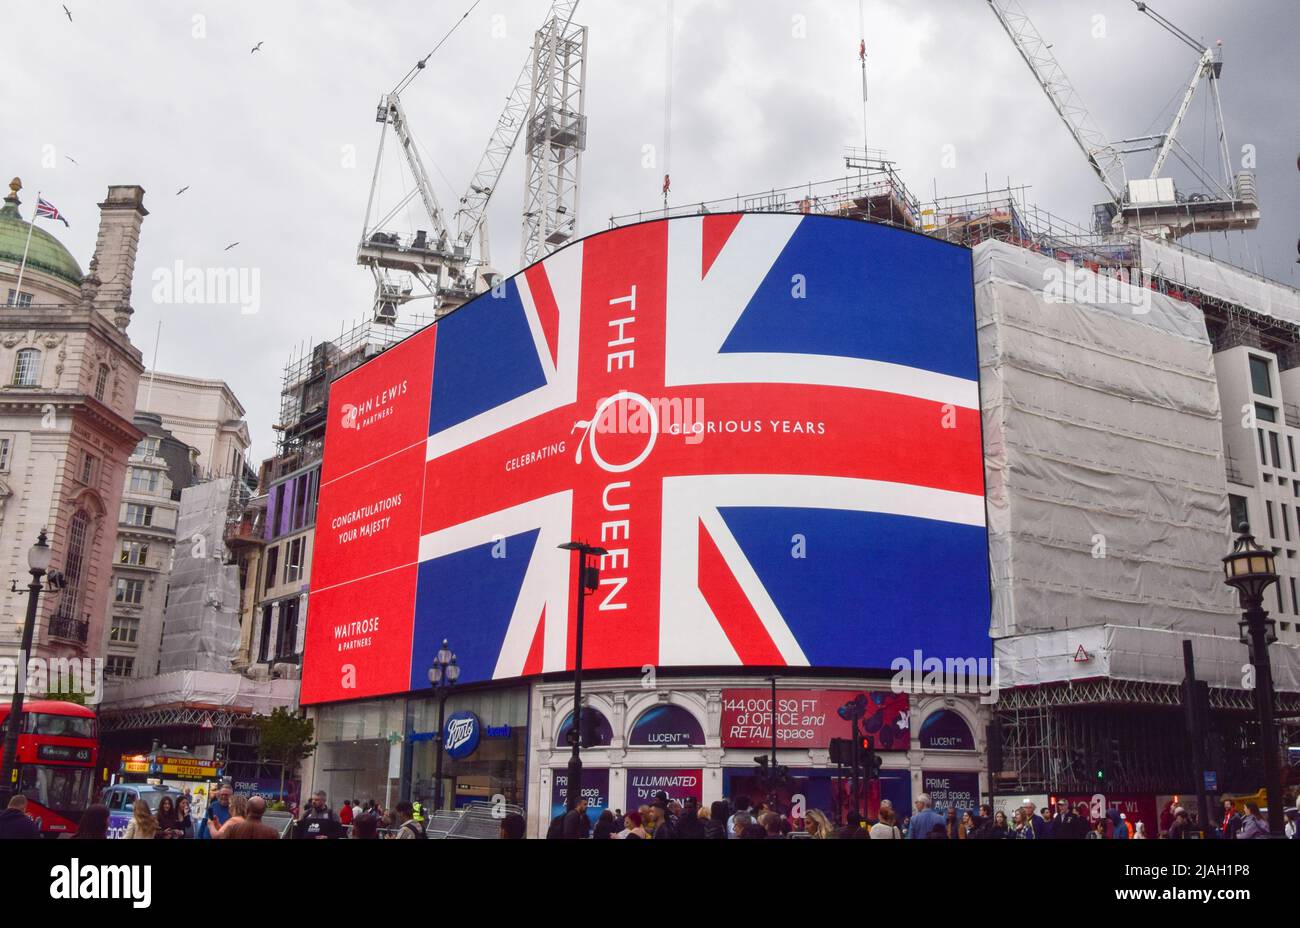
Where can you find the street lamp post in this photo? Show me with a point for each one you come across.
(38, 562)
(1250, 569)
(588, 581)
(443, 675)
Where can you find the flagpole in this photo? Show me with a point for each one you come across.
(18, 291)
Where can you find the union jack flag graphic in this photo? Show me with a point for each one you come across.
(769, 421)
(47, 210)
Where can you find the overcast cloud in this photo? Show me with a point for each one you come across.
(262, 140)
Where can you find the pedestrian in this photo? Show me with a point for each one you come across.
(742, 805)
(665, 827)
(1291, 829)
(513, 827)
(887, 828)
(753, 832)
(1034, 821)
(1140, 833)
(238, 814)
(345, 813)
(968, 826)
(184, 818)
(1231, 819)
(365, 827)
(143, 826)
(715, 826)
(250, 826)
(689, 826)
(1181, 825)
(408, 828)
(605, 827)
(1001, 830)
(318, 808)
(923, 822)
(1067, 823)
(94, 823)
(15, 822)
(817, 824)
(771, 823)
(1022, 826)
(1253, 825)
(169, 823)
(218, 814)
(1048, 831)
(740, 822)
(1118, 830)
(632, 827)
(1098, 830)
(577, 826)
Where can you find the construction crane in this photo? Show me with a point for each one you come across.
(1150, 205)
(441, 260)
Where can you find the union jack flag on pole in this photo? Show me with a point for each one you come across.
(47, 210)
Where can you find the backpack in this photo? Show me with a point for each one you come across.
(556, 829)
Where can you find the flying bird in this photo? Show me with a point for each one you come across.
(70, 158)
(182, 190)
(69, 12)
(256, 47)
(230, 246)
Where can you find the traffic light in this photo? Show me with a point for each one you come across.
(871, 761)
(842, 752)
(1099, 770)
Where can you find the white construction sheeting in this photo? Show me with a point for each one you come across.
(1234, 285)
(1107, 495)
(1145, 654)
(200, 688)
(201, 630)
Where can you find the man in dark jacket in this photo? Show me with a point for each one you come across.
(576, 823)
(689, 825)
(14, 821)
(1069, 827)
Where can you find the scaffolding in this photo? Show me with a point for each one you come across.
(304, 389)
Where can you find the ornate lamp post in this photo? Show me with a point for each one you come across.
(1249, 569)
(443, 676)
(38, 562)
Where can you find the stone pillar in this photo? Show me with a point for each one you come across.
(120, 217)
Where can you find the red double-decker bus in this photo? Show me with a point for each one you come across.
(58, 747)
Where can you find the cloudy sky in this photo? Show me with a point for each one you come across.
(277, 147)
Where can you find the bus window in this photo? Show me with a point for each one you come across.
(65, 726)
(57, 787)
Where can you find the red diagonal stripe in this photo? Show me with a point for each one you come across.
(740, 623)
(548, 312)
(717, 229)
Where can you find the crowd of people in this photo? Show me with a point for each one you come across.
(236, 816)
(689, 819)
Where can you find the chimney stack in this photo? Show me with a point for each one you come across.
(120, 216)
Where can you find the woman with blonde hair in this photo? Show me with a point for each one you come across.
(817, 825)
(238, 812)
(142, 825)
(886, 827)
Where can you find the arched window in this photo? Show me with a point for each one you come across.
(666, 726)
(946, 730)
(74, 564)
(27, 369)
(101, 382)
(596, 728)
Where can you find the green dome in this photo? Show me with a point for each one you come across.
(45, 254)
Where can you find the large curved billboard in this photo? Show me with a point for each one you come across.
(770, 421)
